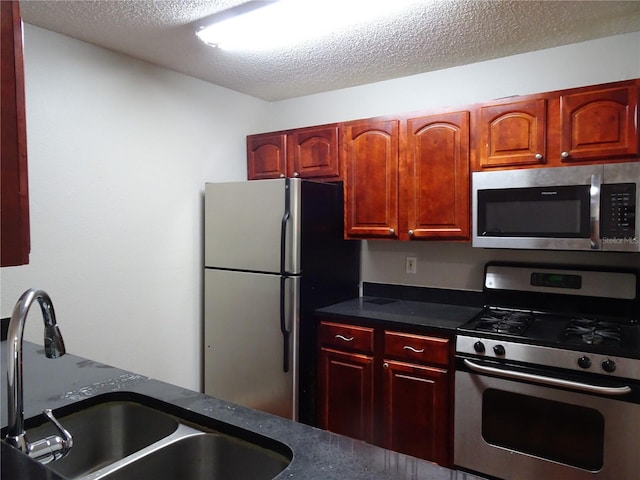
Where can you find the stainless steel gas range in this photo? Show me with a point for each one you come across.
(548, 375)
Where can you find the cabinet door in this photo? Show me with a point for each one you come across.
(416, 411)
(512, 133)
(371, 150)
(437, 176)
(599, 124)
(266, 156)
(346, 393)
(14, 234)
(313, 153)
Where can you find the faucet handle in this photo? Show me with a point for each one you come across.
(53, 447)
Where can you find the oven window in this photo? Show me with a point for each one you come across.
(563, 433)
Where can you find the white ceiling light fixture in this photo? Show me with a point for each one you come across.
(284, 23)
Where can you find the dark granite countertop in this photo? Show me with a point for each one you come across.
(317, 454)
(426, 316)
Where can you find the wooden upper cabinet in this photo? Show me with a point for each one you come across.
(310, 152)
(313, 152)
(14, 235)
(436, 179)
(371, 159)
(266, 156)
(513, 133)
(592, 124)
(599, 123)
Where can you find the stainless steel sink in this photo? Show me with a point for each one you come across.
(105, 433)
(130, 436)
(210, 456)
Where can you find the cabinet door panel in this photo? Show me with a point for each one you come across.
(266, 156)
(371, 184)
(346, 393)
(14, 232)
(416, 411)
(513, 133)
(437, 176)
(599, 124)
(313, 153)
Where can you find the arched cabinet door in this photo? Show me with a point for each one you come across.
(313, 153)
(599, 124)
(371, 158)
(437, 176)
(266, 156)
(513, 133)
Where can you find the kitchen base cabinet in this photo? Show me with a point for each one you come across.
(346, 386)
(389, 388)
(416, 411)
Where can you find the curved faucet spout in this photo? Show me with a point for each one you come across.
(54, 347)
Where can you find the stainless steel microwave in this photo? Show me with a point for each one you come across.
(591, 207)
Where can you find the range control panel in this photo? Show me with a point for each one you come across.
(618, 210)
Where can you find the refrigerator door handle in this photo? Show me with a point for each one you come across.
(283, 324)
(283, 227)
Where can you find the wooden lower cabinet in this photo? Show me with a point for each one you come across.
(346, 393)
(388, 388)
(415, 410)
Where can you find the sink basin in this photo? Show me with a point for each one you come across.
(124, 435)
(105, 433)
(210, 456)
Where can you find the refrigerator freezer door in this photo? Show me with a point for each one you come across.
(244, 342)
(245, 223)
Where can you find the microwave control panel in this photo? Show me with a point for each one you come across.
(618, 210)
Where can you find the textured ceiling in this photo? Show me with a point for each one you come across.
(432, 35)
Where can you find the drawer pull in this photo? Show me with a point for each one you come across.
(414, 350)
(346, 339)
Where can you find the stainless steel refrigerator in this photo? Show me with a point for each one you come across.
(274, 252)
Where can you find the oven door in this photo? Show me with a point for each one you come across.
(517, 430)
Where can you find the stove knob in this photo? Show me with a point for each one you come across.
(609, 365)
(478, 347)
(499, 350)
(584, 362)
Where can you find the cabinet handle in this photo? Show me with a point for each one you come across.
(296, 174)
(564, 154)
(411, 233)
(414, 350)
(392, 231)
(346, 339)
(385, 365)
(282, 175)
(538, 156)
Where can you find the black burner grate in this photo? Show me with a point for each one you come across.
(504, 321)
(593, 332)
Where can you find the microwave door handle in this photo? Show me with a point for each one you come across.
(594, 209)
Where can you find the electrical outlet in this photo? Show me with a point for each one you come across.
(412, 265)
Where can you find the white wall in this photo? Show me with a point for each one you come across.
(119, 151)
(457, 265)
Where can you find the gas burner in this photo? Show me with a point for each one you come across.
(505, 321)
(593, 332)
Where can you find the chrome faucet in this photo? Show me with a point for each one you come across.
(55, 446)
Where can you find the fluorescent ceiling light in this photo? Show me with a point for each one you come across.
(288, 22)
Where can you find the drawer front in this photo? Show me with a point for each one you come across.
(417, 348)
(349, 337)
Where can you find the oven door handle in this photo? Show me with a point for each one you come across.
(555, 382)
